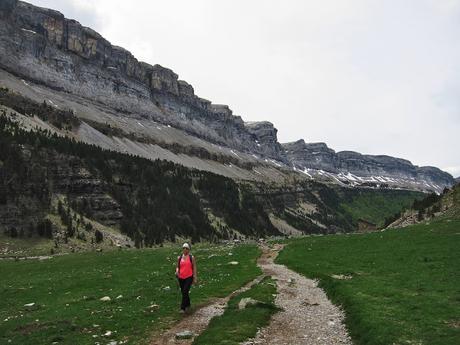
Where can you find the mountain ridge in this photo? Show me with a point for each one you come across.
(60, 54)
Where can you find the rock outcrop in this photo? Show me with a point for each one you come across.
(265, 137)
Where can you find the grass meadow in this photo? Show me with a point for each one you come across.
(67, 289)
(399, 286)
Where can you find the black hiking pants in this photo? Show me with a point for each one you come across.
(185, 285)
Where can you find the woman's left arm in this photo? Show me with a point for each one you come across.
(195, 274)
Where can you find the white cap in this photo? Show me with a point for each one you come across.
(185, 245)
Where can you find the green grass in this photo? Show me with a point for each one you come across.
(375, 206)
(405, 285)
(33, 246)
(236, 326)
(68, 288)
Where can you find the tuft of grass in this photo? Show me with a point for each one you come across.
(235, 325)
(404, 286)
(67, 289)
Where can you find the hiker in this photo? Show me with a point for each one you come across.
(186, 274)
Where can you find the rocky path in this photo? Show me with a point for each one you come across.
(306, 316)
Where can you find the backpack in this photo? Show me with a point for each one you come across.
(178, 262)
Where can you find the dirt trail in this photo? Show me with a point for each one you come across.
(307, 316)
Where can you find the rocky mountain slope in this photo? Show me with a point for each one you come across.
(47, 57)
(433, 206)
(130, 106)
(78, 196)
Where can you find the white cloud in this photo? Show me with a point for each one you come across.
(375, 76)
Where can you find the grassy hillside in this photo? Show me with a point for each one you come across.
(396, 287)
(67, 292)
(377, 205)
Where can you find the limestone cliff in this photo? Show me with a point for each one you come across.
(48, 57)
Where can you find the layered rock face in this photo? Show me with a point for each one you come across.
(311, 156)
(42, 46)
(265, 137)
(349, 166)
(52, 175)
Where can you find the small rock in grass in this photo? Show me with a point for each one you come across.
(233, 263)
(107, 334)
(166, 288)
(184, 335)
(105, 299)
(113, 342)
(244, 302)
(31, 306)
(341, 276)
(119, 296)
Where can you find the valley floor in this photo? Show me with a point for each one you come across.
(305, 315)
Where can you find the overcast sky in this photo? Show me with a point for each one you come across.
(377, 77)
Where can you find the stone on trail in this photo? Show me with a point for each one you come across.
(184, 335)
(105, 299)
(244, 302)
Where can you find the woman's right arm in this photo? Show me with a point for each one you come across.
(177, 266)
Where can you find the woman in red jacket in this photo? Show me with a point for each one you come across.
(186, 273)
